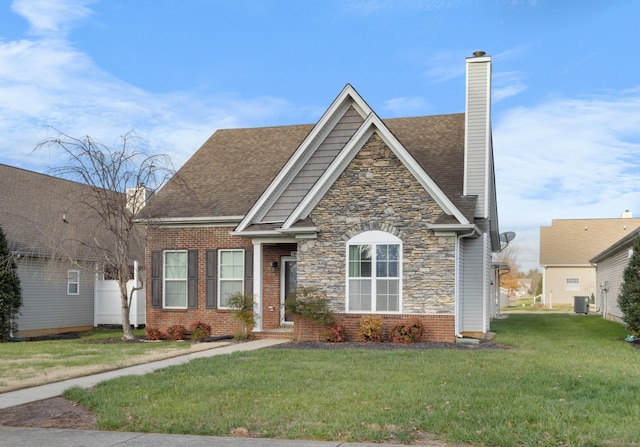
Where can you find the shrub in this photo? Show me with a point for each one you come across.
(199, 331)
(311, 303)
(176, 332)
(10, 290)
(154, 333)
(336, 334)
(409, 331)
(629, 297)
(243, 306)
(370, 329)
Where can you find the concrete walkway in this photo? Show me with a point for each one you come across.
(50, 437)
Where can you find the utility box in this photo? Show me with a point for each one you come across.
(581, 304)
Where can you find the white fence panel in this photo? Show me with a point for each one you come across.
(108, 308)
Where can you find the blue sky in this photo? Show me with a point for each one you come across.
(566, 90)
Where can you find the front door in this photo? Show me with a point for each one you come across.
(288, 281)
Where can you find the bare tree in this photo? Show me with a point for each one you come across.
(509, 280)
(119, 178)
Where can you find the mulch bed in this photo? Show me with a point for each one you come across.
(387, 346)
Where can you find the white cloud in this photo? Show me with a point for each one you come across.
(404, 106)
(45, 82)
(48, 17)
(567, 158)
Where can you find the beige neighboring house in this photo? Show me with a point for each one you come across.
(566, 248)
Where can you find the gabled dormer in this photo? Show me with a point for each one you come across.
(320, 159)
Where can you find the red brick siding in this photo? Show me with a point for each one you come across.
(436, 327)
(222, 321)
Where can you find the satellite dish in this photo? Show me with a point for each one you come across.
(507, 236)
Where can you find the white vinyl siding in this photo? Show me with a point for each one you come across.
(175, 279)
(230, 275)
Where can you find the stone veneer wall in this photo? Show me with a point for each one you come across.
(377, 192)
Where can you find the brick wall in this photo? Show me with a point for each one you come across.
(222, 321)
(436, 327)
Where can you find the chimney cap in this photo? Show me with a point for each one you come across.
(479, 53)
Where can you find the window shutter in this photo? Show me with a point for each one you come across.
(248, 272)
(156, 278)
(211, 279)
(192, 278)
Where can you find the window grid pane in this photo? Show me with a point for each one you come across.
(231, 272)
(364, 282)
(175, 279)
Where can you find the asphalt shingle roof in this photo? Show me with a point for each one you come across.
(576, 241)
(227, 175)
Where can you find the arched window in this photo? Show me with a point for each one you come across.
(374, 264)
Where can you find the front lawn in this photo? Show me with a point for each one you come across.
(31, 363)
(566, 380)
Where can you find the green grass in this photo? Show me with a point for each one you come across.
(37, 362)
(566, 380)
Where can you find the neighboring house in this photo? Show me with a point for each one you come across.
(566, 248)
(394, 218)
(50, 232)
(610, 265)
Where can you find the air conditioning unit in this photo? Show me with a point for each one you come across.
(581, 304)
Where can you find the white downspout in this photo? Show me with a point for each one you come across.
(457, 317)
(257, 285)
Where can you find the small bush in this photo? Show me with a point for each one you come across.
(199, 331)
(370, 329)
(409, 331)
(176, 332)
(336, 334)
(243, 306)
(154, 333)
(311, 303)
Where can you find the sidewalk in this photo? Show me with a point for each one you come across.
(19, 397)
(51, 437)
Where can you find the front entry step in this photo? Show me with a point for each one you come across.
(283, 332)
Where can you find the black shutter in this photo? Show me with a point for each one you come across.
(192, 278)
(156, 278)
(212, 279)
(248, 272)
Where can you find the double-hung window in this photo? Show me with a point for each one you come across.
(374, 272)
(175, 279)
(231, 277)
(73, 282)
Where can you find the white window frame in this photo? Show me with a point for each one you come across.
(572, 284)
(73, 283)
(221, 280)
(374, 238)
(166, 278)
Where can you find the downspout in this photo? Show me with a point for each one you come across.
(474, 232)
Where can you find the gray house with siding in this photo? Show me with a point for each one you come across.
(50, 233)
(395, 218)
(610, 265)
